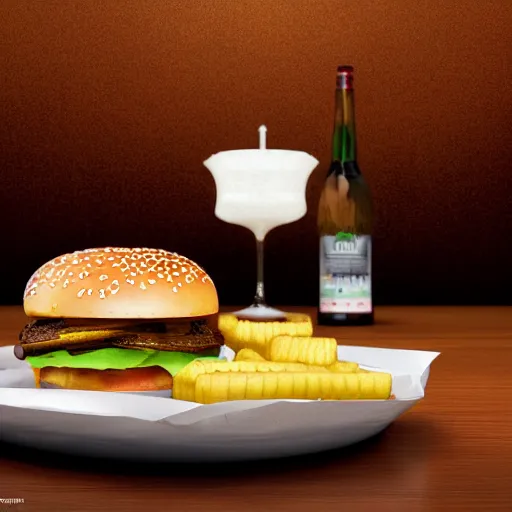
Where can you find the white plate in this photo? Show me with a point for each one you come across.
(121, 425)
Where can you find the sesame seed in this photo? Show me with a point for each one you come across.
(81, 293)
(103, 277)
(151, 281)
(174, 289)
(102, 293)
(142, 285)
(114, 287)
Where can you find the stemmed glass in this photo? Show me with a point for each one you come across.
(260, 189)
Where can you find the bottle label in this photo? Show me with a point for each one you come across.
(345, 274)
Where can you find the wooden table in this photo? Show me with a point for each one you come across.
(453, 451)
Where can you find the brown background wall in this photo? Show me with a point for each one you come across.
(109, 108)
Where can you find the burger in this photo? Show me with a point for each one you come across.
(117, 319)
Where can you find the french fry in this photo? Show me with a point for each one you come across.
(215, 387)
(183, 380)
(344, 367)
(240, 334)
(246, 354)
(254, 366)
(300, 349)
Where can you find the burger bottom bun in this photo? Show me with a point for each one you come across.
(152, 378)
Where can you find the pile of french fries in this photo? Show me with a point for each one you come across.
(280, 367)
(240, 334)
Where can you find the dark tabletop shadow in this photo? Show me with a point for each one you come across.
(405, 440)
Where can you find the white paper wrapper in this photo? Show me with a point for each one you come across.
(125, 425)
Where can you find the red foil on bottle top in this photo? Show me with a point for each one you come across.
(345, 77)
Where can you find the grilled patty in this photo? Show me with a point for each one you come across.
(47, 335)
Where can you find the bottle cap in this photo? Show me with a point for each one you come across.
(345, 77)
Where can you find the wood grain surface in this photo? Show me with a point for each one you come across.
(453, 451)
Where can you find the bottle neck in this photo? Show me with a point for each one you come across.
(344, 137)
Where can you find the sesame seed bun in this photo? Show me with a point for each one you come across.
(117, 282)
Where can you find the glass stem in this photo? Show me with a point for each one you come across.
(259, 298)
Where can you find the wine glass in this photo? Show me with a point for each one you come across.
(260, 189)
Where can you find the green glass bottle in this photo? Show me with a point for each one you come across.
(345, 222)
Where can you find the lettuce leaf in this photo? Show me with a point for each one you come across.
(116, 359)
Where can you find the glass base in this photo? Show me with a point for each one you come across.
(260, 313)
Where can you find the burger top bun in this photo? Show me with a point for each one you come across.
(117, 282)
